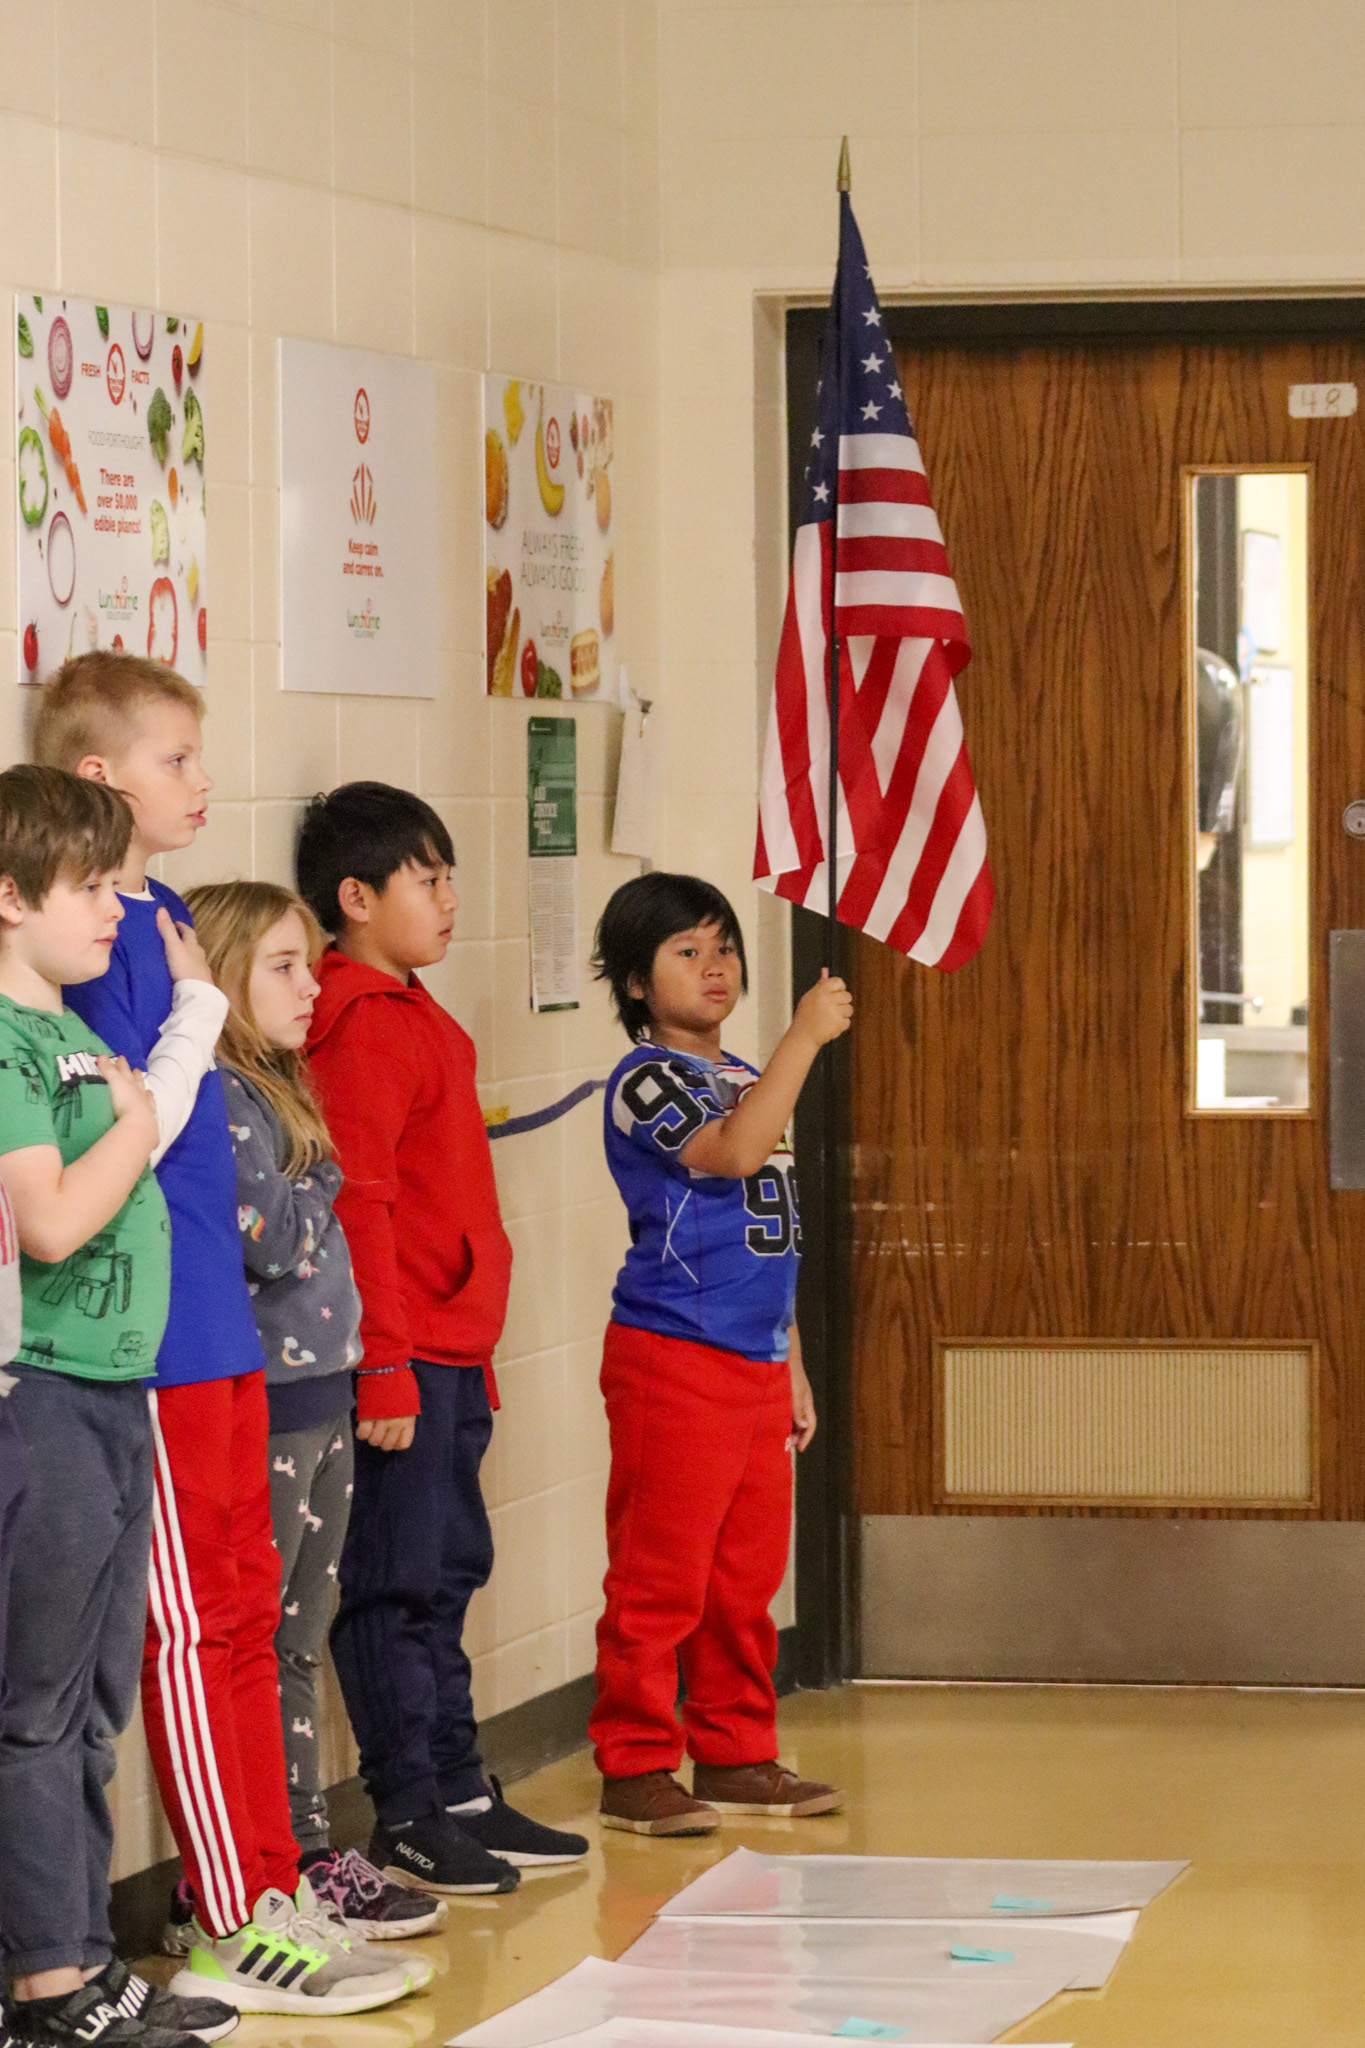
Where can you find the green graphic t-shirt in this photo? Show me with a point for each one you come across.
(98, 1315)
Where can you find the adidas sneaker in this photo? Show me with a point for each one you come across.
(287, 1960)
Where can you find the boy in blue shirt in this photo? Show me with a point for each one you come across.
(701, 1370)
(209, 1676)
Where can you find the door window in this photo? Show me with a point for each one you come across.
(1248, 654)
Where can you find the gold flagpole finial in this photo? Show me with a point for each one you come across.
(844, 180)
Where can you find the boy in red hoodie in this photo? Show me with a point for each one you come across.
(395, 1074)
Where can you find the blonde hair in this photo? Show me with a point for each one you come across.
(90, 705)
(231, 919)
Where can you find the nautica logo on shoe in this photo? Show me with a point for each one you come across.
(415, 1856)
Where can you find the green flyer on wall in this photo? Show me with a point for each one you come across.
(552, 842)
(552, 786)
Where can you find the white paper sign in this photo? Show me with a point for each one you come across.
(357, 522)
(549, 541)
(637, 785)
(110, 425)
(554, 932)
(1321, 401)
(1270, 756)
(1262, 592)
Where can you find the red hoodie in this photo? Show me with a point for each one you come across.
(395, 1075)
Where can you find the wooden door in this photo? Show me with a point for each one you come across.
(1024, 1163)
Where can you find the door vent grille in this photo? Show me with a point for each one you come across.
(1125, 1425)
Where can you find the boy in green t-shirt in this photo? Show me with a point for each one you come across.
(78, 1129)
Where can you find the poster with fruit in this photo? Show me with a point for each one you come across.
(109, 468)
(549, 541)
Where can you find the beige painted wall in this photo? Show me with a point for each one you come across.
(620, 193)
(476, 186)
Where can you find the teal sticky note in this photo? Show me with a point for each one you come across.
(961, 1954)
(1003, 1903)
(869, 2030)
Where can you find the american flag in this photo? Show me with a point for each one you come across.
(911, 847)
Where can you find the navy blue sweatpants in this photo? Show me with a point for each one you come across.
(418, 1548)
(13, 1479)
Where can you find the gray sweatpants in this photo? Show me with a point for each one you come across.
(310, 1505)
(73, 1655)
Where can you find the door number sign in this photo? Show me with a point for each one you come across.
(1321, 401)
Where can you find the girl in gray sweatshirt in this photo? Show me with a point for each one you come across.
(261, 942)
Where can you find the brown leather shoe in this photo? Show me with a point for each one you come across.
(762, 1788)
(654, 1804)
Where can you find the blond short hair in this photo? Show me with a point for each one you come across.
(91, 704)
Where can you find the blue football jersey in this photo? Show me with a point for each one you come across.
(711, 1259)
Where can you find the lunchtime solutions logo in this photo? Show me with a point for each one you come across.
(116, 374)
(361, 415)
(118, 605)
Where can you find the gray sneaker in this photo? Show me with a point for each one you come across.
(287, 1960)
(333, 1927)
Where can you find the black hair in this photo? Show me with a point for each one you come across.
(368, 830)
(642, 916)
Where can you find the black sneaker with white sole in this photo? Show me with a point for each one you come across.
(209, 2018)
(514, 1837)
(437, 1855)
(89, 2019)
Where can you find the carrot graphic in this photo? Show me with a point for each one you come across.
(61, 446)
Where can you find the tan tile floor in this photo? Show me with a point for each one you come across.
(1261, 1943)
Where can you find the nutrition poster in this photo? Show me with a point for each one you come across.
(552, 841)
(357, 522)
(549, 541)
(109, 464)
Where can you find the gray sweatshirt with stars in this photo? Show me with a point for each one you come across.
(298, 1267)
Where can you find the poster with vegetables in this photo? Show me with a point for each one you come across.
(549, 541)
(357, 522)
(110, 477)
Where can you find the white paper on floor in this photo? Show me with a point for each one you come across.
(977, 2004)
(915, 1888)
(874, 1951)
(688, 2034)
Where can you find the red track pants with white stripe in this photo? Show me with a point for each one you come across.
(698, 1521)
(210, 1688)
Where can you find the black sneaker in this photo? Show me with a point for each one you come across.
(514, 1837)
(89, 2019)
(209, 2018)
(437, 1856)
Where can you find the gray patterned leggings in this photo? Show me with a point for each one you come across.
(310, 1504)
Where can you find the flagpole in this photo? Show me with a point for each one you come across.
(834, 1393)
(832, 846)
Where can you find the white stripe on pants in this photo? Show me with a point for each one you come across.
(189, 1733)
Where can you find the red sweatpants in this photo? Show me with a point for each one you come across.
(698, 1524)
(210, 1689)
